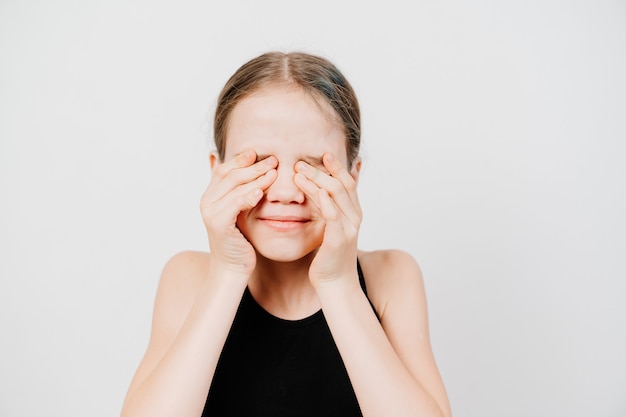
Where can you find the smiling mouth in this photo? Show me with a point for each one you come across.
(284, 223)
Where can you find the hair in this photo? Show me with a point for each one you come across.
(314, 74)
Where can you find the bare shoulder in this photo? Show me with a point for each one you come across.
(389, 268)
(181, 279)
(396, 288)
(390, 274)
(186, 268)
(383, 262)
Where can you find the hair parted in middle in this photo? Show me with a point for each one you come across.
(314, 74)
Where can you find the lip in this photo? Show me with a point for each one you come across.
(284, 223)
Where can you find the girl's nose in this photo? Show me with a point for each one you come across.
(283, 189)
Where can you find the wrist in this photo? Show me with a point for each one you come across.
(343, 284)
(230, 273)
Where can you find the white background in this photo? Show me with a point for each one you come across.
(494, 152)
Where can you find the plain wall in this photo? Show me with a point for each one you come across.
(494, 147)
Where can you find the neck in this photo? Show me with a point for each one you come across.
(283, 288)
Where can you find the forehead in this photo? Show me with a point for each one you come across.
(284, 120)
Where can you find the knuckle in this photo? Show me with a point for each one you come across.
(220, 171)
(245, 201)
(236, 176)
(205, 203)
(335, 187)
(259, 168)
(332, 215)
(211, 222)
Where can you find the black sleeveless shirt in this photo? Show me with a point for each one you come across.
(271, 367)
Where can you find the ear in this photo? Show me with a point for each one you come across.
(214, 159)
(356, 168)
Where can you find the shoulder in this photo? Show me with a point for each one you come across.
(388, 261)
(390, 268)
(185, 265)
(184, 271)
(395, 285)
(181, 278)
(390, 276)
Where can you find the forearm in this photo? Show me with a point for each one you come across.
(383, 384)
(179, 383)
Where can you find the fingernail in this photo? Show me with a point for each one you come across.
(330, 157)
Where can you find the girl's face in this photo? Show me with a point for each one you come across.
(287, 123)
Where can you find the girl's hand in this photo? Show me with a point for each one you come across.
(236, 185)
(334, 195)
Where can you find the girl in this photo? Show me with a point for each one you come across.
(285, 316)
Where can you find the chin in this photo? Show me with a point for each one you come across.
(286, 251)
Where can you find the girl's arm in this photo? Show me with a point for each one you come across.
(193, 312)
(390, 363)
(198, 297)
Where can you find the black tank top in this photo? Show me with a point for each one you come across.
(271, 367)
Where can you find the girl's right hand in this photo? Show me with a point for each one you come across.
(236, 185)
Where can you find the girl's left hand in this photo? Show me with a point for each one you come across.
(334, 195)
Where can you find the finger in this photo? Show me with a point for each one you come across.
(248, 200)
(242, 198)
(334, 232)
(310, 189)
(241, 160)
(262, 183)
(238, 171)
(218, 192)
(333, 186)
(329, 211)
(224, 212)
(339, 171)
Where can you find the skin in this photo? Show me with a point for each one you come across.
(282, 217)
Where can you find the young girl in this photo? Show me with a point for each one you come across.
(285, 316)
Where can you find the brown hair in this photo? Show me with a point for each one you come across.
(315, 75)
